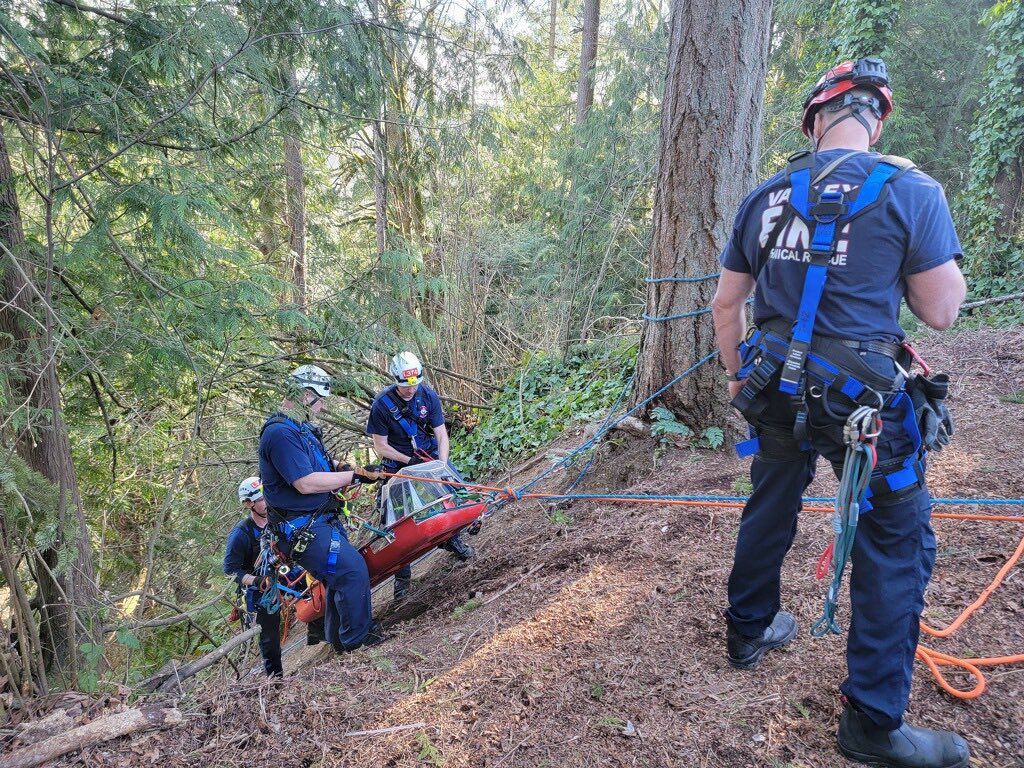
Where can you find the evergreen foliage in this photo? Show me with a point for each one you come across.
(992, 202)
(148, 142)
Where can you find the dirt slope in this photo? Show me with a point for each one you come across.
(594, 636)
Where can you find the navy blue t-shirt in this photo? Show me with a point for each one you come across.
(242, 549)
(289, 451)
(910, 231)
(424, 408)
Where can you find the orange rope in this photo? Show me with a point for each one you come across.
(931, 658)
(934, 659)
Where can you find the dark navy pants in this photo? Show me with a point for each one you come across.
(892, 558)
(349, 612)
(270, 633)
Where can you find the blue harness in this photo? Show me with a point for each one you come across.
(766, 350)
(411, 426)
(318, 454)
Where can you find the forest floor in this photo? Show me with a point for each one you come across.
(593, 636)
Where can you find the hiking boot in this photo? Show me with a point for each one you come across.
(906, 747)
(374, 636)
(459, 548)
(746, 652)
(315, 632)
(402, 586)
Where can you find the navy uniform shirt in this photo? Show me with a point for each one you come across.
(289, 451)
(242, 550)
(910, 231)
(423, 409)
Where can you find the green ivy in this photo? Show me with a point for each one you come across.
(536, 405)
(995, 243)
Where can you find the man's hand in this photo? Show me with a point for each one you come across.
(371, 473)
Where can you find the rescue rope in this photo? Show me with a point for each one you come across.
(675, 279)
(934, 659)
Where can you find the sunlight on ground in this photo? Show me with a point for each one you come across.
(549, 644)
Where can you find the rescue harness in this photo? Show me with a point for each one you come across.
(411, 424)
(805, 365)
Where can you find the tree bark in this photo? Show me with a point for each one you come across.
(709, 150)
(588, 58)
(91, 734)
(552, 22)
(380, 189)
(43, 443)
(295, 195)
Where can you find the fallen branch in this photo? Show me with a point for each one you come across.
(194, 667)
(91, 734)
(393, 729)
(515, 583)
(993, 300)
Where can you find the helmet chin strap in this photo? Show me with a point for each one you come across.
(856, 112)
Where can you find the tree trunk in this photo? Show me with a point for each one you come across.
(551, 31)
(380, 189)
(588, 58)
(295, 195)
(67, 593)
(709, 150)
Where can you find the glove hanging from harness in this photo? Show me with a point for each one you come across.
(934, 420)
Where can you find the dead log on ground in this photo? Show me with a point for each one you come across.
(89, 735)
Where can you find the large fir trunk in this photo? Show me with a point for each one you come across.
(67, 591)
(588, 59)
(709, 149)
(295, 196)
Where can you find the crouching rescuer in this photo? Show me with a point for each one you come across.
(830, 247)
(300, 481)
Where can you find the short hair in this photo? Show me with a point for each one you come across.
(834, 109)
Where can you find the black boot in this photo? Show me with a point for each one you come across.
(374, 636)
(746, 652)
(402, 586)
(906, 747)
(459, 548)
(315, 632)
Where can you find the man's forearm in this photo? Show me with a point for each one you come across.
(385, 451)
(323, 482)
(730, 328)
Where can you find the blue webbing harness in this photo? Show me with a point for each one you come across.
(766, 350)
(411, 426)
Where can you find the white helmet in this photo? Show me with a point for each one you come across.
(311, 377)
(406, 369)
(250, 489)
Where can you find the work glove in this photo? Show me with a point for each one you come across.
(371, 473)
(934, 421)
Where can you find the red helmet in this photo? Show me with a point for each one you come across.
(864, 73)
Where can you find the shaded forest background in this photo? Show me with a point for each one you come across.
(195, 197)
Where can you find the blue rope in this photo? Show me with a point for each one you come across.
(569, 457)
(611, 412)
(681, 279)
(694, 313)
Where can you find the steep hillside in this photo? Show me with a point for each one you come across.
(591, 635)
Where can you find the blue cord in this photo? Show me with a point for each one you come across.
(681, 279)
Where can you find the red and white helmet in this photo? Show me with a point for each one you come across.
(406, 369)
(250, 489)
(868, 72)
